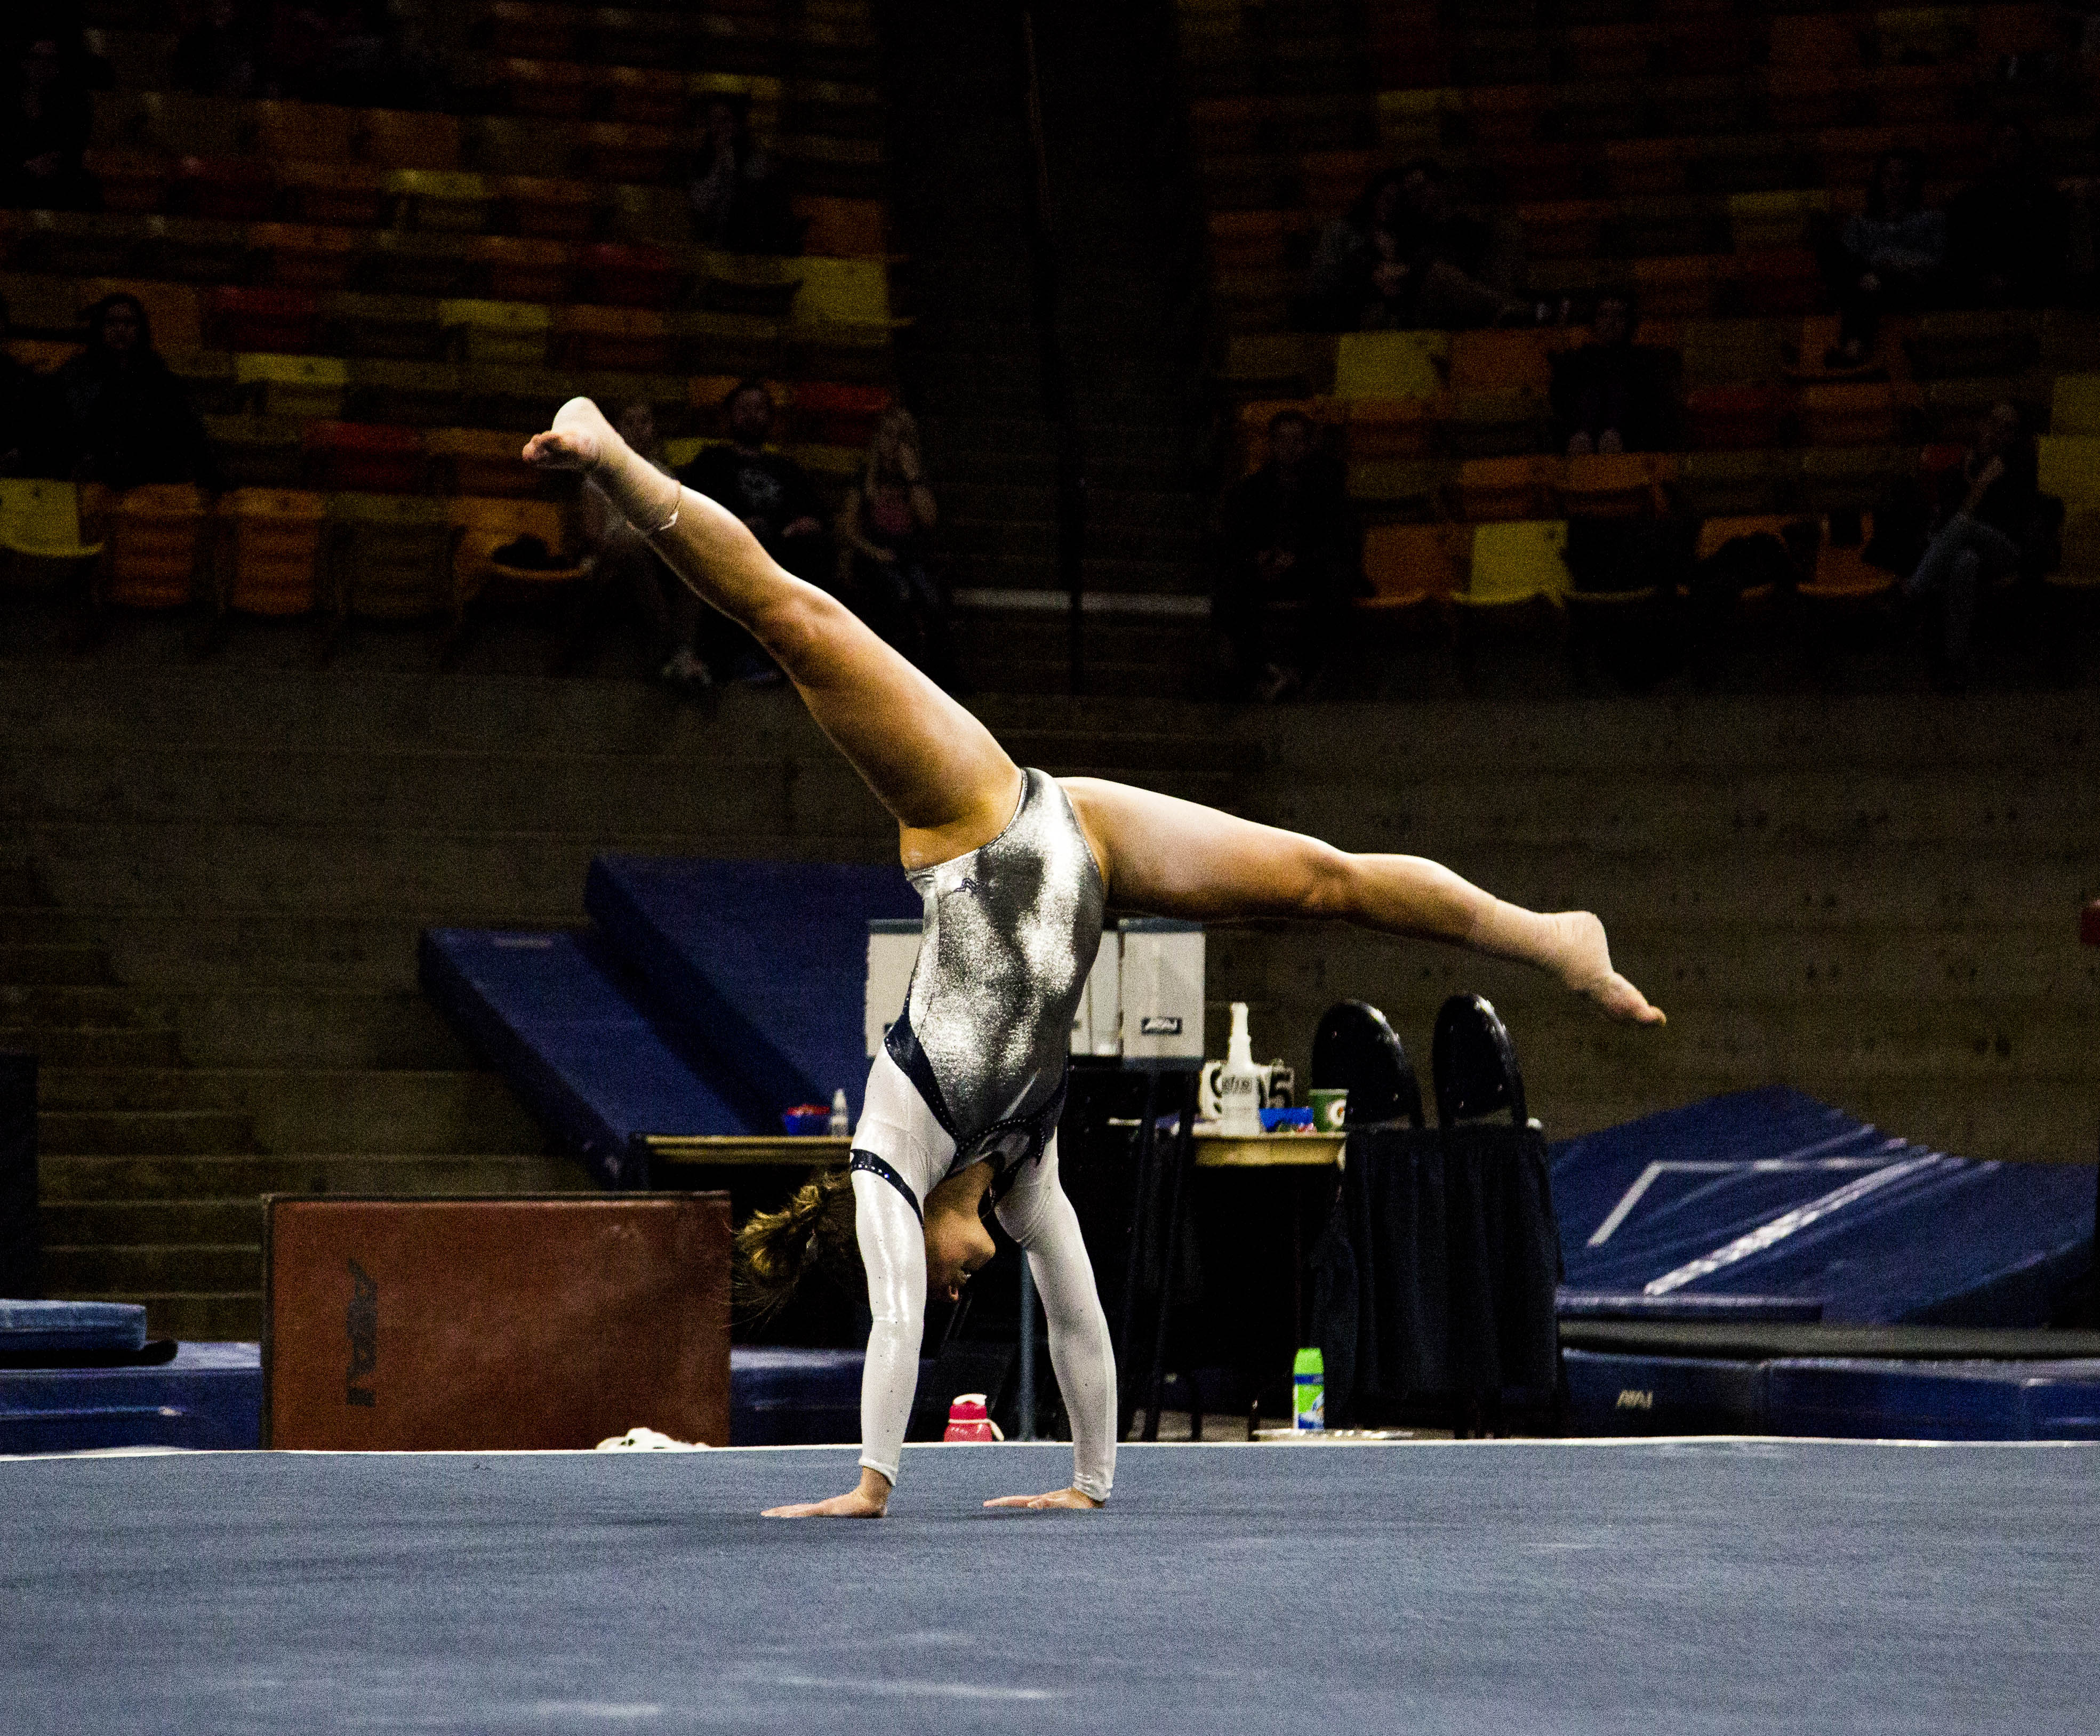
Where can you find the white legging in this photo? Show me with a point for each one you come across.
(897, 1127)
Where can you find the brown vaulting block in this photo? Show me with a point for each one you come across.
(486, 1325)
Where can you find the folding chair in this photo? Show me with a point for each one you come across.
(40, 529)
(157, 534)
(1355, 1050)
(271, 564)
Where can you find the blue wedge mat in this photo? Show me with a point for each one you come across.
(1938, 1401)
(557, 1016)
(1798, 1212)
(209, 1396)
(40, 1328)
(765, 963)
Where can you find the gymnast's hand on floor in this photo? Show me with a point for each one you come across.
(578, 438)
(870, 1500)
(1055, 1498)
(1580, 959)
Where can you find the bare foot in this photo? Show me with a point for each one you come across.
(1072, 1498)
(580, 439)
(1582, 960)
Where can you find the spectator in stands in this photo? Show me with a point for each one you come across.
(1403, 257)
(45, 119)
(118, 416)
(1988, 520)
(222, 55)
(1888, 259)
(1292, 559)
(738, 201)
(884, 571)
(627, 566)
(2008, 236)
(1613, 395)
(774, 497)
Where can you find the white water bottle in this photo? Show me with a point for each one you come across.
(841, 1116)
(1239, 1081)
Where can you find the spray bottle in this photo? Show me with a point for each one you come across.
(1239, 1081)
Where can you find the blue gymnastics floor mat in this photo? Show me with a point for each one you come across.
(556, 1016)
(765, 961)
(40, 1328)
(210, 1395)
(1767, 1204)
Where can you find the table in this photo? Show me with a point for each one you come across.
(818, 1150)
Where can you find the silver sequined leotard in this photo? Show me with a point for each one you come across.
(1010, 931)
(974, 1071)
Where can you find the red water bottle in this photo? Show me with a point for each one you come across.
(969, 1421)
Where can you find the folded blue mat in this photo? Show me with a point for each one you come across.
(1770, 1195)
(40, 1328)
(764, 962)
(559, 1017)
(210, 1395)
(1936, 1401)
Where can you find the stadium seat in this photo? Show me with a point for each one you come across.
(608, 150)
(1618, 485)
(1682, 287)
(1568, 229)
(364, 455)
(1646, 168)
(843, 228)
(1844, 583)
(276, 320)
(400, 328)
(273, 548)
(630, 339)
(1391, 365)
(1862, 413)
(833, 414)
(549, 89)
(334, 194)
(521, 268)
(1716, 534)
(396, 138)
(309, 388)
(1244, 239)
(389, 557)
(2075, 405)
(1507, 488)
(40, 522)
(495, 334)
(2070, 468)
(237, 189)
(1814, 41)
(483, 462)
(1279, 363)
(642, 95)
(615, 274)
(1738, 484)
(1852, 478)
(257, 451)
(1412, 564)
(279, 131)
(135, 181)
(1406, 489)
(486, 527)
(440, 201)
(1489, 424)
(155, 538)
(418, 394)
(1779, 280)
(1379, 429)
(545, 32)
(1518, 578)
(548, 208)
(1734, 418)
(304, 256)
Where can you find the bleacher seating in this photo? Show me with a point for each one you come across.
(371, 307)
(1684, 149)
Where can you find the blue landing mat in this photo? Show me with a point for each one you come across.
(35, 1328)
(1540, 1588)
(555, 1015)
(1767, 1204)
(765, 961)
(209, 1396)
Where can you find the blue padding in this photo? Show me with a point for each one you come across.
(1938, 1401)
(1590, 1305)
(765, 963)
(42, 1328)
(1771, 1194)
(209, 1396)
(558, 1018)
(1610, 1393)
(787, 1398)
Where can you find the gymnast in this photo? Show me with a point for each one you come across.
(1016, 869)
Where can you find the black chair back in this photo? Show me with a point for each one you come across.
(1474, 1063)
(1355, 1050)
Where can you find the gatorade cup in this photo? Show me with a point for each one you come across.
(1310, 1379)
(968, 1421)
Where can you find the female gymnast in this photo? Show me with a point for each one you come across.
(1016, 869)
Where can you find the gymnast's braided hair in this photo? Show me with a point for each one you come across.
(815, 1230)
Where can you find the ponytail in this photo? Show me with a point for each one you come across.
(776, 1250)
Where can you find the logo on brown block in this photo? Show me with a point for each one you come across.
(361, 1321)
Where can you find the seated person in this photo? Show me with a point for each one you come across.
(2008, 236)
(772, 495)
(738, 201)
(1970, 525)
(1404, 258)
(117, 416)
(1290, 559)
(884, 525)
(45, 115)
(1889, 259)
(1613, 395)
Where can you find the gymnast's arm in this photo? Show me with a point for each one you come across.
(1037, 1214)
(893, 1248)
(1176, 858)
